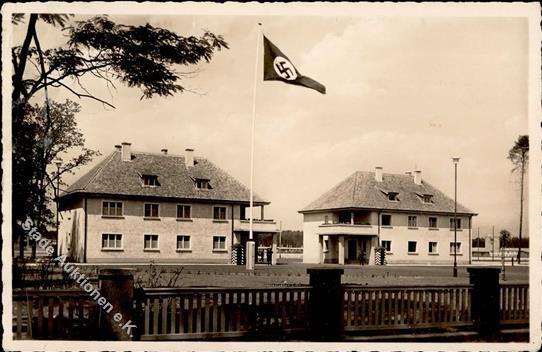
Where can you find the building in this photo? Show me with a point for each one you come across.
(407, 216)
(138, 207)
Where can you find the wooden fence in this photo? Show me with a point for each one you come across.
(179, 314)
(514, 304)
(54, 314)
(373, 308)
(199, 313)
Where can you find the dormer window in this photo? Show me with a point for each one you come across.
(426, 198)
(202, 183)
(150, 180)
(393, 196)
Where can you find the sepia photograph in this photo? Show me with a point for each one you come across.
(271, 176)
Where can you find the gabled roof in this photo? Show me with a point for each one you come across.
(112, 176)
(361, 190)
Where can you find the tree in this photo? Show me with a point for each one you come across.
(138, 56)
(519, 156)
(144, 57)
(37, 142)
(504, 238)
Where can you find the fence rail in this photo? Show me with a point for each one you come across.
(59, 314)
(178, 314)
(372, 308)
(514, 304)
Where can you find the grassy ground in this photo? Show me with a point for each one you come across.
(295, 274)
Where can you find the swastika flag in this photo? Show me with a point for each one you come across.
(277, 67)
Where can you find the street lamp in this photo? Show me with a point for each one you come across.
(455, 161)
(58, 164)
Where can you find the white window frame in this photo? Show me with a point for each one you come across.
(459, 249)
(151, 249)
(220, 249)
(408, 249)
(225, 212)
(208, 183)
(415, 218)
(459, 223)
(429, 222)
(381, 219)
(121, 248)
(151, 217)
(390, 250)
(183, 249)
(154, 177)
(112, 201)
(177, 211)
(435, 252)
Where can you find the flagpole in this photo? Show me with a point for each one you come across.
(250, 262)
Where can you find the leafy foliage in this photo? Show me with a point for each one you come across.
(39, 139)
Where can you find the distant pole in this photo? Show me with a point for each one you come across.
(493, 243)
(250, 252)
(478, 243)
(455, 161)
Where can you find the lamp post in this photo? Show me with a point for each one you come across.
(58, 164)
(455, 161)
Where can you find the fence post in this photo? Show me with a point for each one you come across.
(117, 287)
(326, 303)
(485, 299)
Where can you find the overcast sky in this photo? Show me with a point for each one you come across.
(402, 93)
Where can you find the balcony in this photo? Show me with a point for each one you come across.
(258, 225)
(347, 229)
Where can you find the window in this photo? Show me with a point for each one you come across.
(412, 247)
(433, 248)
(326, 219)
(412, 221)
(183, 242)
(386, 220)
(452, 223)
(393, 196)
(219, 213)
(219, 243)
(151, 242)
(202, 183)
(387, 245)
(111, 241)
(150, 180)
(184, 211)
(112, 208)
(479, 242)
(427, 198)
(457, 246)
(433, 222)
(151, 210)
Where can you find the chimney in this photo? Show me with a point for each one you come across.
(418, 177)
(164, 151)
(126, 151)
(189, 157)
(378, 174)
(118, 148)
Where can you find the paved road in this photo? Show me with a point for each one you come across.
(295, 273)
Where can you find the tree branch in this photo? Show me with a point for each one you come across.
(79, 95)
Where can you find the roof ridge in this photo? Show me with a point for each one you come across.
(100, 167)
(235, 180)
(354, 190)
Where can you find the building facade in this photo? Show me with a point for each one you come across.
(137, 207)
(412, 220)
